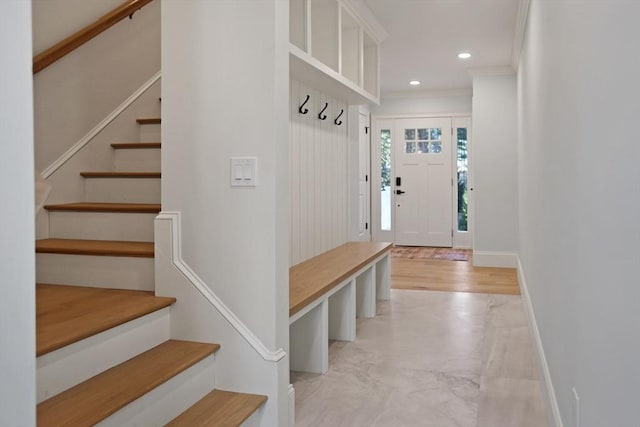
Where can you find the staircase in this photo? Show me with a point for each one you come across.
(105, 354)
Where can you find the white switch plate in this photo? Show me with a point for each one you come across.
(244, 171)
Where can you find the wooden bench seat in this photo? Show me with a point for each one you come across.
(327, 293)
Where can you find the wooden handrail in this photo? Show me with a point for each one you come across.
(57, 51)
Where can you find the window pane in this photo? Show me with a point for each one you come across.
(463, 168)
(423, 133)
(436, 146)
(409, 134)
(423, 147)
(410, 147)
(385, 179)
(436, 134)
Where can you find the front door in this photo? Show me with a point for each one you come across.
(423, 182)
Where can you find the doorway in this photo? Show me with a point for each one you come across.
(423, 182)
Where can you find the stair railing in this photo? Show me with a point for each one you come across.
(68, 45)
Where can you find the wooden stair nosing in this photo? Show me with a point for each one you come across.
(149, 121)
(220, 408)
(111, 174)
(106, 207)
(68, 314)
(101, 396)
(131, 145)
(95, 247)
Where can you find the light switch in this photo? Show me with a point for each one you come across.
(244, 171)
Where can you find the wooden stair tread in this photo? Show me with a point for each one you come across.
(220, 408)
(67, 314)
(128, 145)
(95, 399)
(149, 121)
(106, 207)
(110, 174)
(95, 247)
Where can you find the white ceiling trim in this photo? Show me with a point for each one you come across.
(367, 18)
(521, 27)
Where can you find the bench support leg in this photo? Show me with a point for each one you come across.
(309, 341)
(383, 279)
(342, 313)
(366, 293)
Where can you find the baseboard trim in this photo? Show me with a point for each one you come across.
(553, 410)
(99, 127)
(495, 259)
(292, 406)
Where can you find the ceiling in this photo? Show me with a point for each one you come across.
(425, 37)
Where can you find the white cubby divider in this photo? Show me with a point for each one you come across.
(334, 45)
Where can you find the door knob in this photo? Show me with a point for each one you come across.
(399, 192)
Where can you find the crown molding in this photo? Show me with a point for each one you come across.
(367, 19)
(521, 28)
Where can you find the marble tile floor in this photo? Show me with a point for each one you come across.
(438, 359)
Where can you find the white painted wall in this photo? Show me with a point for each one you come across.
(56, 20)
(494, 171)
(225, 91)
(578, 206)
(420, 103)
(74, 94)
(319, 158)
(17, 258)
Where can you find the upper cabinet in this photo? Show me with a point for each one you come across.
(335, 47)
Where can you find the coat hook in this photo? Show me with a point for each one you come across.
(306, 110)
(338, 123)
(323, 116)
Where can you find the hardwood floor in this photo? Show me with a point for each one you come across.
(452, 276)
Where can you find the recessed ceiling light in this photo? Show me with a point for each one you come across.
(414, 82)
(464, 55)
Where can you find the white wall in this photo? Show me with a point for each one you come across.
(17, 258)
(426, 103)
(319, 159)
(578, 205)
(225, 91)
(75, 93)
(494, 171)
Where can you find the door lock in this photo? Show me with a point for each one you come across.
(400, 192)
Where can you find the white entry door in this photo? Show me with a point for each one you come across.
(423, 182)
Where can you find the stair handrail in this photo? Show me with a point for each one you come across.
(74, 41)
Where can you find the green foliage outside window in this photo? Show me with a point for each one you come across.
(385, 158)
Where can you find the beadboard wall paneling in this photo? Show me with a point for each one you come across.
(319, 165)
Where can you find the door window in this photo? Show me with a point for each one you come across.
(463, 172)
(423, 141)
(385, 179)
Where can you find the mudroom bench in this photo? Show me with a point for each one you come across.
(327, 293)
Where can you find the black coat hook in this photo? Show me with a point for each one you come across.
(306, 110)
(323, 116)
(338, 123)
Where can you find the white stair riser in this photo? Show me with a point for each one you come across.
(101, 226)
(122, 190)
(96, 271)
(62, 369)
(137, 160)
(150, 133)
(167, 401)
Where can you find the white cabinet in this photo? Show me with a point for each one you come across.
(334, 48)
